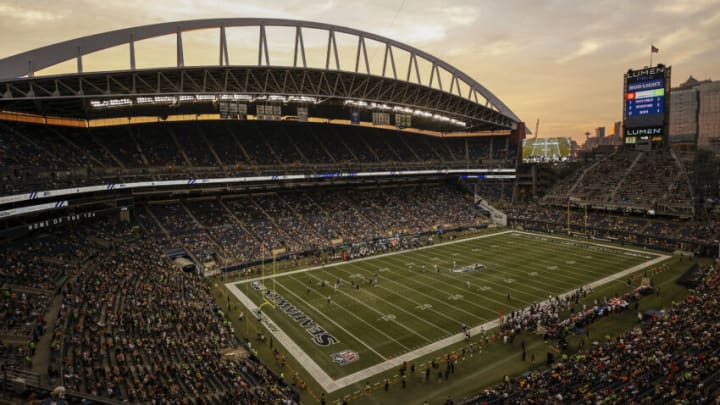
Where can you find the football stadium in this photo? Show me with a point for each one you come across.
(334, 216)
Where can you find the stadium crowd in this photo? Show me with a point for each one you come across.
(658, 233)
(245, 230)
(629, 179)
(673, 358)
(40, 157)
(132, 327)
(32, 271)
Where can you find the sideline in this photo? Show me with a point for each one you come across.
(288, 273)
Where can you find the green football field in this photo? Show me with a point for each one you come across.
(411, 303)
(548, 147)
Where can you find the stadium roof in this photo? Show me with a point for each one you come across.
(439, 96)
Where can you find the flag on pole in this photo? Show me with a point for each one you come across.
(653, 49)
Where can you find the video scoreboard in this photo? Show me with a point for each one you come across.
(646, 105)
(645, 98)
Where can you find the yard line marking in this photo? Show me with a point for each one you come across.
(378, 312)
(587, 270)
(543, 249)
(487, 273)
(445, 276)
(573, 280)
(355, 316)
(579, 254)
(494, 277)
(430, 272)
(332, 321)
(429, 297)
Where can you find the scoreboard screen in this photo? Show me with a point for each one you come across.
(645, 98)
(646, 103)
(403, 120)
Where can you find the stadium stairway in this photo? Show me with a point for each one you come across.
(107, 152)
(41, 359)
(237, 220)
(272, 220)
(157, 222)
(192, 216)
(625, 175)
(137, 146)
(584, 172)
(345, 146)
(298, 215)
(683, 175)
(367, 145)
(207, 143)
(245, 154)
(412, 151)
(322, 146)
(295, 146)
(498, 217)
(179, 147)
(77, 149)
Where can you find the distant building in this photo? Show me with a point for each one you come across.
(601, 140)
(574, 149)
(709, 114)
(683, 112)
(695, 113)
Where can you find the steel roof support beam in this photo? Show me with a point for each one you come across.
(331, 48)
(79, 61)
(301, 45)
(180, 57)
(224, 59)
(132, 52)
(263, 47)
(361, 45)
(388, 51)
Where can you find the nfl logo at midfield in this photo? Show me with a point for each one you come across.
(345, 357)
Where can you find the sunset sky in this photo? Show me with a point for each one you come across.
(559, 60)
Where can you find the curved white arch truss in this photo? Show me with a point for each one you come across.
(26, 64)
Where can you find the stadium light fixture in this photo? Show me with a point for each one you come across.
(236, 97)
(356, 103)
(109, 103)
(405, 110)
(376, 106)
(157, 100)
(302, 99)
